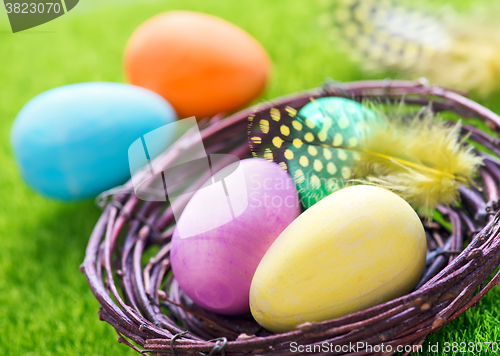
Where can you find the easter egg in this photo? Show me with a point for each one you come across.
(343, 122)
(201, 64)
(72, 142)
(214, 266)
(360, 246)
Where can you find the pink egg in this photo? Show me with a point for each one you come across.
(226, 229)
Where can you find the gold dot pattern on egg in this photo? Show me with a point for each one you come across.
(297, 125)
(264, 126)
(299, 176)
(315, 181)
(332, 184)
(310, 124)
(275, 114)
(297, 143)
(322, 136)
(346, 172)
(309, 137)
(331, 168)
(304, 161)
(285, 130)
(327, 154)
(343, 122)
(318, 165)
(337, 140)
(277, 141)
(312, 150)
(342, 155)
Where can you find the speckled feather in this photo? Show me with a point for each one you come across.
(446, 48)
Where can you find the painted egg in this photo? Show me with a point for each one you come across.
(201, 64)
(343, 122)
(220, 239)
(72, 142)
(356, 248)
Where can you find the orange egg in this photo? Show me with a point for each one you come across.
(201, 64)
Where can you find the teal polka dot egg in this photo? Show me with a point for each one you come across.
(340, 124)
(72, 142)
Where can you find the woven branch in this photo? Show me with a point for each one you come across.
(144, 304)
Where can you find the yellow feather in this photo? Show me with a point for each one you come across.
(421, 159)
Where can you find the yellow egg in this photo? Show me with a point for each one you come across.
(357, 248)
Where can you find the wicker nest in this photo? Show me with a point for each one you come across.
(140, 298)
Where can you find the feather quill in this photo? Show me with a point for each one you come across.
(421, 158)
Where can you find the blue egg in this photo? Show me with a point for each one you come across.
(72, 142)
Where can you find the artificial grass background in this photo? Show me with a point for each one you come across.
(46, 307)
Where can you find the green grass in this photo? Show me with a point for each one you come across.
(46, 307)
